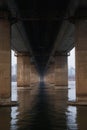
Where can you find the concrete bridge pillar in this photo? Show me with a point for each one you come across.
(23, 70)
(5, 60)
(47, 76)
(81, 60)
(61, 71)
(51, 75)
(34, 77)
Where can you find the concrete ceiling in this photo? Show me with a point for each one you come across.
(42, 27)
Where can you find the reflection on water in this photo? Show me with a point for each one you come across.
(42, 108)
(82, 118)
(14, 118)
(5, 118)
(71, 118)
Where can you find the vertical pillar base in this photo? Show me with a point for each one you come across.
(77, 103)
(81, 100)
(8, 102)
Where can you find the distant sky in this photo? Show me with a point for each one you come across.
(13, 58)
(71, 58)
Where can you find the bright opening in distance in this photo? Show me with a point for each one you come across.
(71, 59)
(13, 58)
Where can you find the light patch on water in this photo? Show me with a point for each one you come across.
(14, 110)
(14, 118)
(71, 117)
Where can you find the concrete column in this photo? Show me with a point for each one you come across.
(81, 60)
(34, 77)
(61, 71)
(47, 76)
(23, 70)
(5, 60)
(51, 74)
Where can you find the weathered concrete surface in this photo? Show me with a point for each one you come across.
(23, 70)
(50, 75)
(34, 77)
(81, 60)
(61, 71)
(5, 61)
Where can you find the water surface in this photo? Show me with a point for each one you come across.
(43, 107)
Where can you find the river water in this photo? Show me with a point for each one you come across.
(43, 107)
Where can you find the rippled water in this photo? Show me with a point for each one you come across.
(43, 107)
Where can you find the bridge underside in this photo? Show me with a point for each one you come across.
(42, 33)
(38, 23)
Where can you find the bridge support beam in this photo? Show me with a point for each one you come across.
(61, 71)
(5, 61)
(81, 61)
(23, 70)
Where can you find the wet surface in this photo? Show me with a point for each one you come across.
(43, 107)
